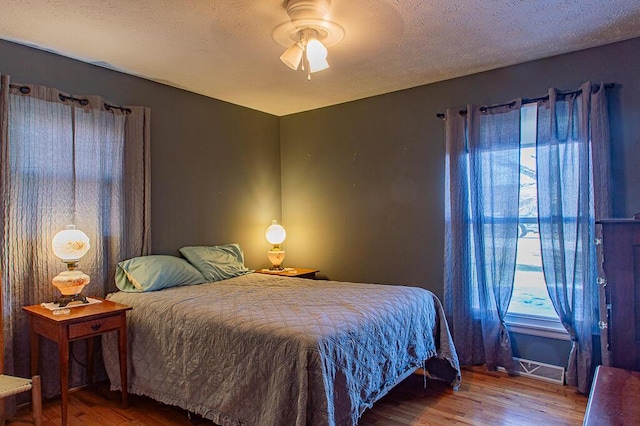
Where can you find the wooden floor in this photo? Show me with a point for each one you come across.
(484, 398)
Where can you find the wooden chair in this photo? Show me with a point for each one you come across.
(11, 385)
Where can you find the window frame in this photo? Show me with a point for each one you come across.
(535, 325)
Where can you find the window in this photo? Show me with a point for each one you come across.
(482, 217)
(67, 161)
(62, 160)
(531, 310)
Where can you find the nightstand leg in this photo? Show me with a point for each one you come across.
(90, 354)
(63, 349)
(35, 352)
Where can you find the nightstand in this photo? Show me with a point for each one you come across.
(291, 272)
(82, 322)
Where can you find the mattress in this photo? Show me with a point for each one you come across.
(268, 350)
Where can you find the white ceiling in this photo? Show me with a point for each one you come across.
(224, 48)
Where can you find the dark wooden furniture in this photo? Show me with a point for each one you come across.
(613, 399)
(83, 322)
(621, 248)
(292, 272)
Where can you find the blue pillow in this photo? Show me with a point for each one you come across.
(217, 262)
(155, 272)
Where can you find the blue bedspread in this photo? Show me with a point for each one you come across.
(268, 350)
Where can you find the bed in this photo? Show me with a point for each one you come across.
(260, 349)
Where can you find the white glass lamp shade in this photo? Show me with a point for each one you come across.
(276, 234)
(316, 55)
(292, 56)
(70, 244)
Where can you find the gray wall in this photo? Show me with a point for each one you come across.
(215, 166)
(363, 182)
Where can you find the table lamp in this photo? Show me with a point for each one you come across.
(275, 235)
(70, 245)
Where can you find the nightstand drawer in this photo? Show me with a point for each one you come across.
(97, 326)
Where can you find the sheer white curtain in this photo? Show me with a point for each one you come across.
(66, 161)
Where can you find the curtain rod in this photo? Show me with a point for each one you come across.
(525, 101)
(25, 90)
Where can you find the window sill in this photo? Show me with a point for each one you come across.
(534, 325)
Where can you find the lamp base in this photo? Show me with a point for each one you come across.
(65, 300)
(276, 257)
(71, 282)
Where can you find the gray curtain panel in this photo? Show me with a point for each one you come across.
(66, 162)
(460, 296)
(494, 159)
(573, 165)
(483, 168)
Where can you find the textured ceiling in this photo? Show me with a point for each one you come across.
(224, 49)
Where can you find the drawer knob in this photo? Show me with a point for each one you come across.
(96, 327)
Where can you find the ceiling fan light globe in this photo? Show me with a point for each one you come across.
(292, 56)
(316, 55)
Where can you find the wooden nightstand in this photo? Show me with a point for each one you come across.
(82, 322)
(291, 272)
